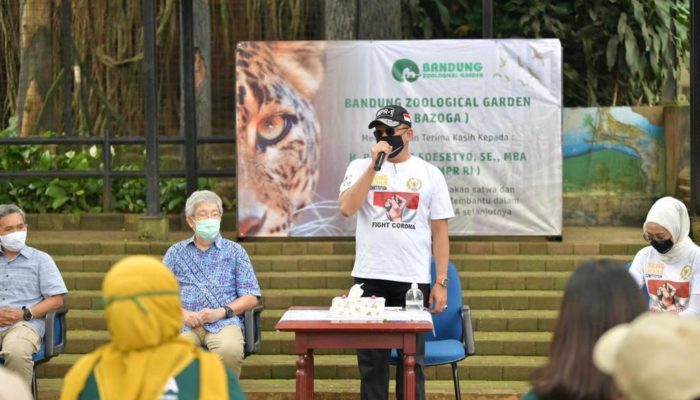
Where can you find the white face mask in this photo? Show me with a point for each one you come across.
(14, 241)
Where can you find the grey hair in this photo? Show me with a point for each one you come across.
(199, 197)
(7, 209)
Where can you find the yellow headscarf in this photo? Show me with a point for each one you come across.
(144, 317)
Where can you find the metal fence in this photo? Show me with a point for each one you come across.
(133, 74)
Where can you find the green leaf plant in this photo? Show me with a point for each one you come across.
(78, 195)
(616, 52)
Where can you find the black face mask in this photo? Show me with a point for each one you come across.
(662, 246)
(396, 145)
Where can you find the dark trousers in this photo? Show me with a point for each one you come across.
(374, 363)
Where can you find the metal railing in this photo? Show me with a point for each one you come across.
(151, 140)
(191, 171)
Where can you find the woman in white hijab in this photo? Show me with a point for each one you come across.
(669, 265)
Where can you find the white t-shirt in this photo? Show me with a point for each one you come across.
(672, 286)
(393, 235)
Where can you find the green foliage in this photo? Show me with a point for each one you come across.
(49, 194)
(440, 19)
(130, 194)
(78, 194)
(615, 51)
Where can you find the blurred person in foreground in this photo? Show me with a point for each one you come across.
(217, 281)
(669, 265)
(599, 295)
(146, 358)
(656, 357)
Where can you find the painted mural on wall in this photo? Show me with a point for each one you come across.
(614, 151)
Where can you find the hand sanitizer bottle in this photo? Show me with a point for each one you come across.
(414, 298)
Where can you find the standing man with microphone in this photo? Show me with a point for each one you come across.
(403, 206)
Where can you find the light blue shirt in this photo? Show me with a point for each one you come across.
(212, 278)
(27, 280)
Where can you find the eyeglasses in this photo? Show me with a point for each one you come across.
(10, 229)
(659, 237)
(388, 130)
(205, 215)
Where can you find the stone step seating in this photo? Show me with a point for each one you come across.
(347, 389)
(343, 263)
(477, 280)
(484, 321)
(513, 287)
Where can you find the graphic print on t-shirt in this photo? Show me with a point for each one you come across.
(395, 209)
(667, 295)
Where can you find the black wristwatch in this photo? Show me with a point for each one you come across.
(229, 312)
(27, 314)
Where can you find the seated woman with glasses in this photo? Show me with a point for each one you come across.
(669, 265)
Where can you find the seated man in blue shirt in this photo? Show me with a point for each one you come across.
(217, 281)
(30, 287)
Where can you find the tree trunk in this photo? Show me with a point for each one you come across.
(339, 19)
(9, 60)
(202, 77)
(379, 19)
(202, 65)
(36, 69)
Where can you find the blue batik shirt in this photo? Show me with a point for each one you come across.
(27, 280)
(212, 278)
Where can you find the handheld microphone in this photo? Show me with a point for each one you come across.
(380, 160)
(381, 156)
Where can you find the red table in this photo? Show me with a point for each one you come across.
(310, 335)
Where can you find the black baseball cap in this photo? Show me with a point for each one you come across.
(391, 116)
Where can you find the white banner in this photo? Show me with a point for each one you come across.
(486, 112)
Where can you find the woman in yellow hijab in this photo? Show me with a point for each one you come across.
(147, 359)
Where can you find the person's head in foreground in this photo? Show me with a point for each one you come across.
(599, 295)
(667, 227)
(146, 353)
(656, 357)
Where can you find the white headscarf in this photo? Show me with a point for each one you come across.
(672, 214)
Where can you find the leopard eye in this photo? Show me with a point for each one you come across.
(273, 129)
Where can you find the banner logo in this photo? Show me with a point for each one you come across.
(405, 70)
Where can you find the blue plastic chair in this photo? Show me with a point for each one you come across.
(453, 340)
(645, 292)
(53, 343)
